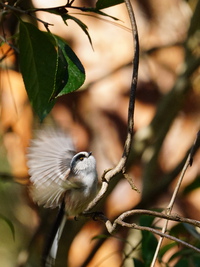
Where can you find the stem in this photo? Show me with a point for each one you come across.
(172, 201)
(121, 166)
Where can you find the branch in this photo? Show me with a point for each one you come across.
(26, 12)
(120, 168)
(172, 201)
(149, 229)
(113, 227)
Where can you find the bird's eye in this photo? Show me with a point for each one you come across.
(81, 158)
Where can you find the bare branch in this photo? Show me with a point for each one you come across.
(113, 227)
(121, 166)
(149, 229)
(170, 217)
(172, 201)
(19, 10)
(125, 215)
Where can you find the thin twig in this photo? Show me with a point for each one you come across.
(121, 166)
(112, 227)
(125, 215)
(172, 201)
(154, 231)
(173, 217)
(16, 9)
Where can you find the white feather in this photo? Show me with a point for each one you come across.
(54, 248)
(49, 158)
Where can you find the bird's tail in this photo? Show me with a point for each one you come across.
(51, 248)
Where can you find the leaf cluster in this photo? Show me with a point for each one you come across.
(49, 67)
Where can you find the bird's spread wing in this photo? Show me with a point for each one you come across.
(48, 159)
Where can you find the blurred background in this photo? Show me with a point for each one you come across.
(167, 119)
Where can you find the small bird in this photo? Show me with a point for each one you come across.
(60, 177)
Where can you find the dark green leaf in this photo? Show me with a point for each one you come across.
(62, 74)
(183, 253)
(178, 230)
(9, 223)
(138, 263)
(149, 242)
(97, 11)
(192, 230)
(182, 263)
(188, 262)
(196, 260)
(38, 63)
(107, 3)
(146, 220)
(64, 14)
(73, 75)
(79, 22)
(165, 249)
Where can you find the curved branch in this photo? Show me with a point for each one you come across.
(112, 227)
(121, 166)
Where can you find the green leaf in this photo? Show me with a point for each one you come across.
(64, 13)
(107, 3)
(182, 263)
(79, 22)
(65, 16)
(138, 263)
(182, 253)
(62, 74)
(146, 220)
(97, 11)
(74, 74)
(165, 249)
(192, 259)
(196, 260)
(192, 230)
(178, 230)
(149, 242)
(38, 64)
(9, 223)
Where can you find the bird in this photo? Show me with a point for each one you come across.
(60, 177)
